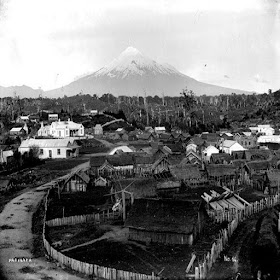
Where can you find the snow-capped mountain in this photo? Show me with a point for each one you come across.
(132, 73)
(132, 63)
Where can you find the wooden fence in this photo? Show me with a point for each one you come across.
(203, 267)
(83, 267)
(257, 206)
(73, 220)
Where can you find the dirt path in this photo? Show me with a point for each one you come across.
(116, 233)
(16, 241)
(238, 253)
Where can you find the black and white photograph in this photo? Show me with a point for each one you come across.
(139, 139)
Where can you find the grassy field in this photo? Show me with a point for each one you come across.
(62, 164)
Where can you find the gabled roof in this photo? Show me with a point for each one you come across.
(164, 136)
(274, 178)
(48, 143)
(64, 124)
(149, 159)
(257, 154)
(96, 161)
(258, 165)
(80, 174)
(168, 185)
(163, 215)
(196, 140)
(158, 161)
(185, 172)
(175, 148)
(218, 157)
(210, 147)
(4, 182)
(16, 129)
(228, 143)
(219, 170)
(145, 136)
(120, 160)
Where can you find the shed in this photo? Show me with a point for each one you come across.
(166, 221)
(76, 182)
(5, 184)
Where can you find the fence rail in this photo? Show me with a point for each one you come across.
(83, 267)
(203, 267)
(73, 220)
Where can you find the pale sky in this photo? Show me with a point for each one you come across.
(49, 43)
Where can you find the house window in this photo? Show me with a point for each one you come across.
(59, 133)
(66, 132)
(58, 151)
(41, 152)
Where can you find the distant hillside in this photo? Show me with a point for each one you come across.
(22, 91)
(135, 74)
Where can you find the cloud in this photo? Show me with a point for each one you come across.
(258, 79)
(226, 76)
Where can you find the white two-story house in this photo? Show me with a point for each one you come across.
(62, 129)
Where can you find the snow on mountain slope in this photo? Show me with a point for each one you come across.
(132, 73)
(132, 62)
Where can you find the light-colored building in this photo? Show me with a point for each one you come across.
(17, 131)
(53, 117)
(160, 129)
(228, 146)
(246, 140)
(264, 129)
(268, 139)
(62, 129)
(207, 152)
(50, 148)
(98, 130)
(22, 119)
(44, 131)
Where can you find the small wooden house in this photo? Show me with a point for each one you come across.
(76, 182)
(166, 221)
(220, 158)
(222, 174)
(188, 173)
(161, 165)
(101, 182)
(192, 157)
(273, 181)
(143, 165)
(5, 184)
(168, 188)
(146, 136)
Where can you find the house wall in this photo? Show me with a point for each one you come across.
(206, 154)
(75, 184)
(45, 153)
(160, 237)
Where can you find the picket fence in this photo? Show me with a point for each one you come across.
(257, 206)
(203, 267)
(83, 267)
(73, 220)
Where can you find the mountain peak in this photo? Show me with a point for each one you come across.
(130, 51)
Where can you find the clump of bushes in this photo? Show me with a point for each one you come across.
(265, 252)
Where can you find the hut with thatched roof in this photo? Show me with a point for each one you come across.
(222, 174)
(188, 173)
(273, 181)
(166, 221)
